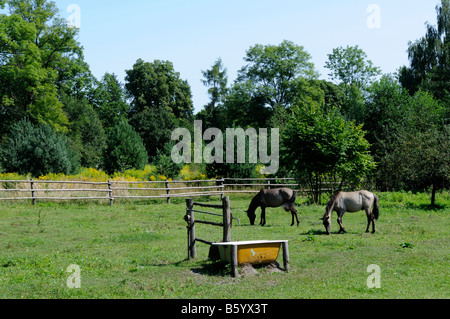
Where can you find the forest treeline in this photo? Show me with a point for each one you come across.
(388, 131)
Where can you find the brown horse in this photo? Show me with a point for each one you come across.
(352, 202)
(273, 198)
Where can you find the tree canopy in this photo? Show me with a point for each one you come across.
(157, 85)
(429, 57)
(274, 70)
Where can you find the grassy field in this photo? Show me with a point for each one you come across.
(138, 250)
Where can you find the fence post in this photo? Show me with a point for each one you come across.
(192, 251)
(221, 183)
(111, 198)
(268, 183)
(227, 220)
(32, 191)
(168, 192)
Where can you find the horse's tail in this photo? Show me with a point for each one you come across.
(290, 204)
(330, 205)
(294, 197)
(376, 208)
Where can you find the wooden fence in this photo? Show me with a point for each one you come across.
(39, 190)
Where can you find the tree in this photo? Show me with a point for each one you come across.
(216, 79)
(85, 131)
(125, 149)
(26, 88)
(319, 143)
(408, 137)
(110, 101)
(422, 143)
(154, 126)
(38, 151)
(426, 158)
(37, 50)
(157, 85)
(274, 70)
(244, 106)
(429, 58)
(351, 67)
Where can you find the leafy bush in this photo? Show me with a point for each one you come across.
(38, 151)
(125, 149)
(193, 172)
(164, 163)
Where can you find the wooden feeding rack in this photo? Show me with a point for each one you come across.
(238, 252)
(190, 218)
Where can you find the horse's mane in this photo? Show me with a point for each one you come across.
(331, 203)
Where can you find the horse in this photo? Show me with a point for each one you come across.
(352, 202)
(273, 198)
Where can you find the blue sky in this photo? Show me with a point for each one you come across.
(192, 34)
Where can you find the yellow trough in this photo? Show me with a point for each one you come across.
(253, 252)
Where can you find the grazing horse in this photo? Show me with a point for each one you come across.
(352, 202)
(273, 198)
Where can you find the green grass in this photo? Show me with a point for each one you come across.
(138, 250)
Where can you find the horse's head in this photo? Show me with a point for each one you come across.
(327, 223)
(251, 216)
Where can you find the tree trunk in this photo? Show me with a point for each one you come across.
(433, 195)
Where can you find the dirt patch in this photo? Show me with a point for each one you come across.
(247, 270)
(250, 270)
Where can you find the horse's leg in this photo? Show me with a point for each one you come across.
(339, 220)
(373, 223)
(294, 212)
(263, 216)
(369, 220)
(372, 217)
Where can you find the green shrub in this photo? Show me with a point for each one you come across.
(164, 163)
(37, 151)
(125, 150)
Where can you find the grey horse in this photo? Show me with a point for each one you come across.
(273, 198)
(352, 202)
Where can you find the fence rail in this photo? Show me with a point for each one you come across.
(114, 190)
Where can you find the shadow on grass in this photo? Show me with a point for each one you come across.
(313, 232)
(219, 268)
(426, 207)
(213, 268)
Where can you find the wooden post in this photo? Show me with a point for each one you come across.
(192, 251)
(286, 256)
(32, 191)
(234, 260)
(268, 183)
(111, 199)
(168, 192)
(227, 220)
(221, 183)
